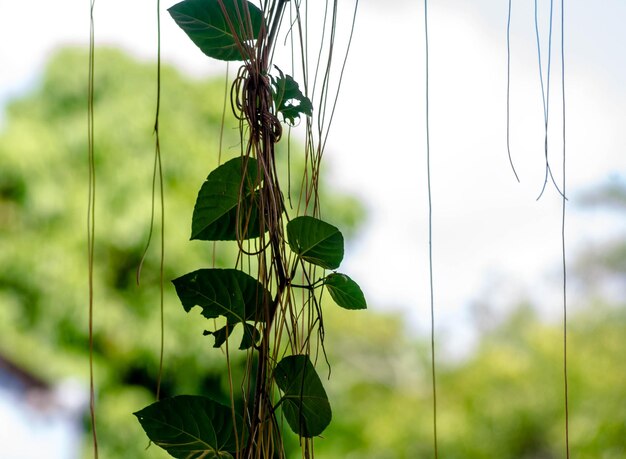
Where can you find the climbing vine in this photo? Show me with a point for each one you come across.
(272, 298)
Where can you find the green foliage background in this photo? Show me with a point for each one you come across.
(504, 401)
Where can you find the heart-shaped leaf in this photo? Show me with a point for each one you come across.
(225, 292)
(316, 241)
(215, 215)
(218, 35)
(304, 402)
(345, 292)
(190, 426)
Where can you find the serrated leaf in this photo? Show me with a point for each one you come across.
(345, 292)
(288, 98)
(191, 426)
(230, 293)
(316, 241)
(215, 215)
(207, 26)
(304, 403)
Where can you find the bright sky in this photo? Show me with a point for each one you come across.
(492, 239)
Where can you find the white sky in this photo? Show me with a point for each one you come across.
(491, 237)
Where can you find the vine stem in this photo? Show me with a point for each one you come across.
(430, 238)
(161, 186)
(545, 96)
(157, 172)
(563, 205)
(275, 25)
(262, 135)
(508, 91)
(91, 222)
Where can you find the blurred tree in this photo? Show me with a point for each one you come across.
(504, 401)
(604, 265)
(508, 398)
(43, 197)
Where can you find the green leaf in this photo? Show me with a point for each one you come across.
(345, 292)
(190, 426)
(288, 98)
(225, 292)
(207, 26)
(250, 337)
(304, 403)
(316, 241)
(215, 213)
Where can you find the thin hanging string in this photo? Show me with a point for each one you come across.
(231, 390)
(430, 238)
(219, 150)
(543, 91)
(157, 172)
(508, 91)
(219, 162)
(162, 197)
(214, 261)
(545, 96)
(563, 203)
(343, 68)
(223, 120)
(91, 222)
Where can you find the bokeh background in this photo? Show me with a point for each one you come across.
(498, 278)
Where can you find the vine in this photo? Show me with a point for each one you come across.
(430, 234)
(274, 293)
(545, 98)
(91, 221)
(563, 249)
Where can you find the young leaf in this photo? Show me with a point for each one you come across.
(225, 292)
(288, 98)
(316, 241)
(215, 213)
(189, 426)
(345, 292)
(304, 402)
(217, 35)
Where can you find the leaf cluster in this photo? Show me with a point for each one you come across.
(241, 201)
(42, 206)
